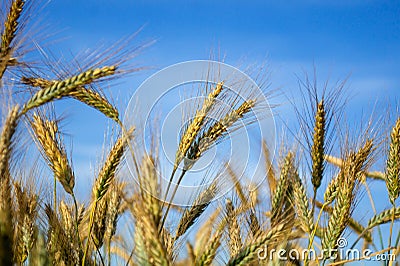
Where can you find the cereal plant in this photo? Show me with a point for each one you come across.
(305, 207)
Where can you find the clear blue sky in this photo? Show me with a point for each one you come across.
(356, 38)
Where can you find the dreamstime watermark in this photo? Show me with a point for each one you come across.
(348, 254)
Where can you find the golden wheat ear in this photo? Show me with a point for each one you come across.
(192, 130)
(234, 232)
(9, 31)
(6, 137)
(215, 133)
(191, 214)
(48, 137)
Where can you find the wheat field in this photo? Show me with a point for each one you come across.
(305, 207)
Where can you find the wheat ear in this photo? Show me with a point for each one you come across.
(11, 25)
(302, 206)
(210, 250)
(113, 213)
(150, 188)
(393, 164)
(249, 252)
(353, 224)
(6, 221)
(194, 127)
(24, 236)
(234, 234)
(103, 181)
(350, 175)
(269, 168)
(393, 171)
(318, 150)
(46, 134)
(82, 94)
(192, 130)
(63, 88)
(190, 215)
(107, 172)
(6, 207)
(383, 217)
(153, 247)
(8, 35)
(204, 233)
(331, 190)
(7, 133)
(280, 191)
(215, 132)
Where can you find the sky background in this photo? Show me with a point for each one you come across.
(359, 40)
(355, 39)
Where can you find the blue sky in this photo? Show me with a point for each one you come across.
(341, 38)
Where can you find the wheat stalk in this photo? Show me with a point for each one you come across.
(59, 89)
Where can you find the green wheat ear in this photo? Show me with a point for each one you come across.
(393, 164)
